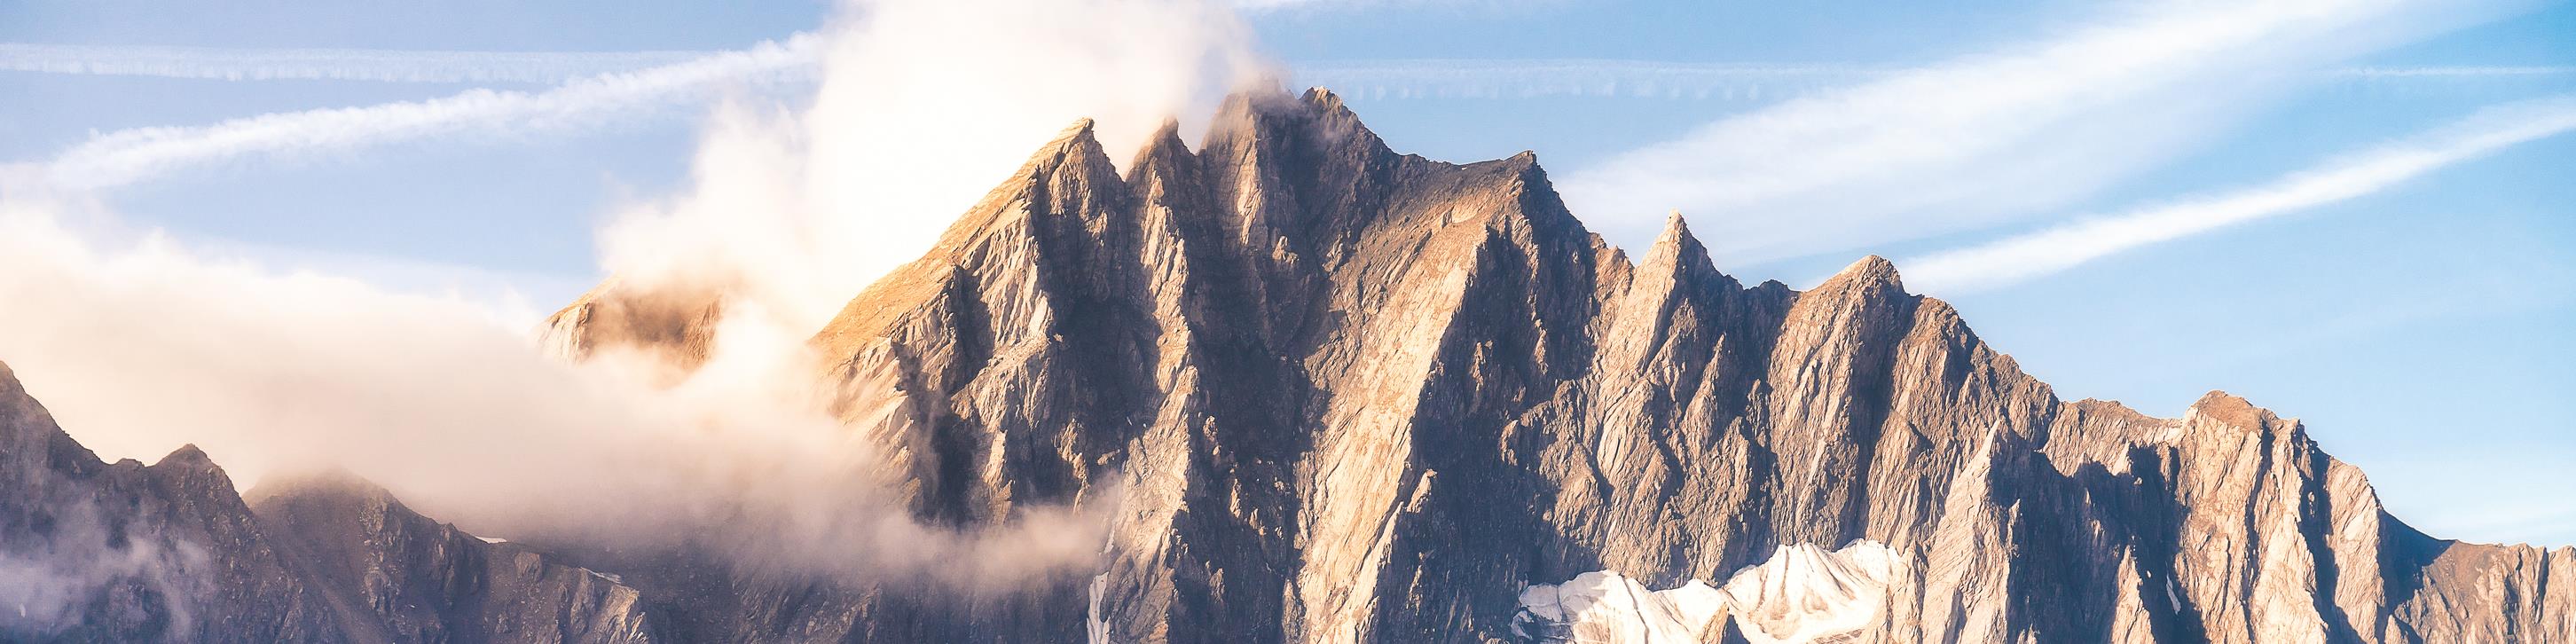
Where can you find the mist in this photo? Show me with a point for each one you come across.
(139, 343)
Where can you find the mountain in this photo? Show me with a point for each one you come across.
(1342, 394)
(1354, 395)
(124, 552)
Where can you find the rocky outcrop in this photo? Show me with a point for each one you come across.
(676, 324)
(123, 552)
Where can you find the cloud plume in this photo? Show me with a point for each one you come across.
(799, 207)
(2023, 257)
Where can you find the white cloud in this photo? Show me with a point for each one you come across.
(1988, 138)
(376, 65)
(126, 156)
(2026, 256)
(801, 208)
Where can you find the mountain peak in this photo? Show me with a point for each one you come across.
(1676, 249)
(1337, 343)
(1324, 98)
(2232, 410)
(187, 456)
(1676, 230)
(1075, 144)
(1870, 270)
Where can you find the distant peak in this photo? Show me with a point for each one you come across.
(1164, 147)
(187, 454)
(189, 461)
(2231, 409)
(1081, 130)
(1321, 97)
(1076, 145)
(1871, 270)
(328, 482)
(1675, 228)
(1676, 244)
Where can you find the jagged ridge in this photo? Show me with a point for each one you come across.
(1350, 395)
(1357, 395)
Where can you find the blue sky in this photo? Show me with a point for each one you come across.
(2421, 327)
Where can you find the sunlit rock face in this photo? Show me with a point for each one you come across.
(1339, 394)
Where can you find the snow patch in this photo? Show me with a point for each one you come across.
(1609, 607)
(1803, 593)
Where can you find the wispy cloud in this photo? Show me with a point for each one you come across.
(2457, 71)
(1458, 78)
(1380, 78)
(126, 156)
(1406, 78)
(2031, 255)
(378, 65)
(1985, 139)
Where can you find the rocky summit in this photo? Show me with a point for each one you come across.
(1340, 394)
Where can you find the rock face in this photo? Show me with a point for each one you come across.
(1340, 394)
(123, 552)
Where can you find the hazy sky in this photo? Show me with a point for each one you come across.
(2360, 213)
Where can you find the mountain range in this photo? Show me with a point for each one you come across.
(1335, 393)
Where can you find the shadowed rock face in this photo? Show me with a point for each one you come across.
(1341, 394)
(123, 552)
